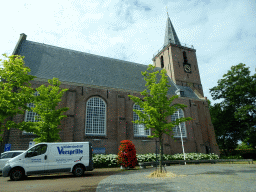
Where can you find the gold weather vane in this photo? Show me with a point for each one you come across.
(167, 11)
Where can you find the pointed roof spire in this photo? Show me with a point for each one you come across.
(170, 34)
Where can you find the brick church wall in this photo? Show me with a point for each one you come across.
(118, 123)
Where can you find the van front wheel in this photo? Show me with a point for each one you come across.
(78, 170)
(16, 174)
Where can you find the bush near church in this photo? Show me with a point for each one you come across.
(110, 160)
(244, 153)
(127, 154)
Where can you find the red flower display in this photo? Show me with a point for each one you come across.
(127, 154)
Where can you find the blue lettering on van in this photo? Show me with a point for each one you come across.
(73, 146)
(70, 152)
(63, 160)
(36, 160)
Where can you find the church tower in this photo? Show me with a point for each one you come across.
(179, 61)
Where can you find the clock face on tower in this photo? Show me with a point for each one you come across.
(187, 68)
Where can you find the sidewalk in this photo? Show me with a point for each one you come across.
(216, 177)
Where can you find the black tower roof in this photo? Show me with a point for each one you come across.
(170, 34)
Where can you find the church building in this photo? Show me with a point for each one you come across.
(100, 110)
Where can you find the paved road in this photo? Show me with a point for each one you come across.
(58, 182)
(216, 177)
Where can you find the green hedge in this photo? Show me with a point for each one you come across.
(244, 153)
(104, 161)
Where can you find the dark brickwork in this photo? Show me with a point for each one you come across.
(173, 63)
(119, 114)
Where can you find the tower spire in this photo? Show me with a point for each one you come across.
(170, 34)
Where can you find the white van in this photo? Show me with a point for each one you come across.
(45, 158)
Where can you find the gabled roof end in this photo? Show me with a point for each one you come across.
(23, 37)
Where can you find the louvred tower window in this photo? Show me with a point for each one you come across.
(162, 61)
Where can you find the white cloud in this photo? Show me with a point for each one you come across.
(222, 32)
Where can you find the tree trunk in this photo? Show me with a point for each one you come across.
(161, 152)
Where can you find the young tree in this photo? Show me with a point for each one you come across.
(15, 90)
(50, 117)
(237, 88)
(156, 107)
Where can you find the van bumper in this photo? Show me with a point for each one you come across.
(88, 168)
(6, 170)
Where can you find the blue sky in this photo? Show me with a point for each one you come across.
(223, 32)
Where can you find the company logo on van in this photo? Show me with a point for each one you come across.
(70, 152)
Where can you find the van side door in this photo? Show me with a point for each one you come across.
(35, 158)
(58, 160)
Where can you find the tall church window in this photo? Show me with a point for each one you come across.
(176, 130)
(162, 61)
(139, 129)
(30, 116)
(95, 121)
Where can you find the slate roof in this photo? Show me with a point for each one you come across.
(170, 34)
(46, 62)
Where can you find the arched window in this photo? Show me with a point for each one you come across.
(95, 121)
(176, 130)
(139, 129)
(30, 116)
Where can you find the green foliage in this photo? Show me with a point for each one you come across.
(243, 146)
(50, 117)
(244, 153)
(15, 90)
(228, 129)
(194, 156)
(156, 106)
(237, 88)
(105, 161)
(232, 157)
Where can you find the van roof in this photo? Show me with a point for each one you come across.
(63, 142)
(14, 151)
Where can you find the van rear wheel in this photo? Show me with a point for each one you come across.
(16, 174)
(78, 170)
